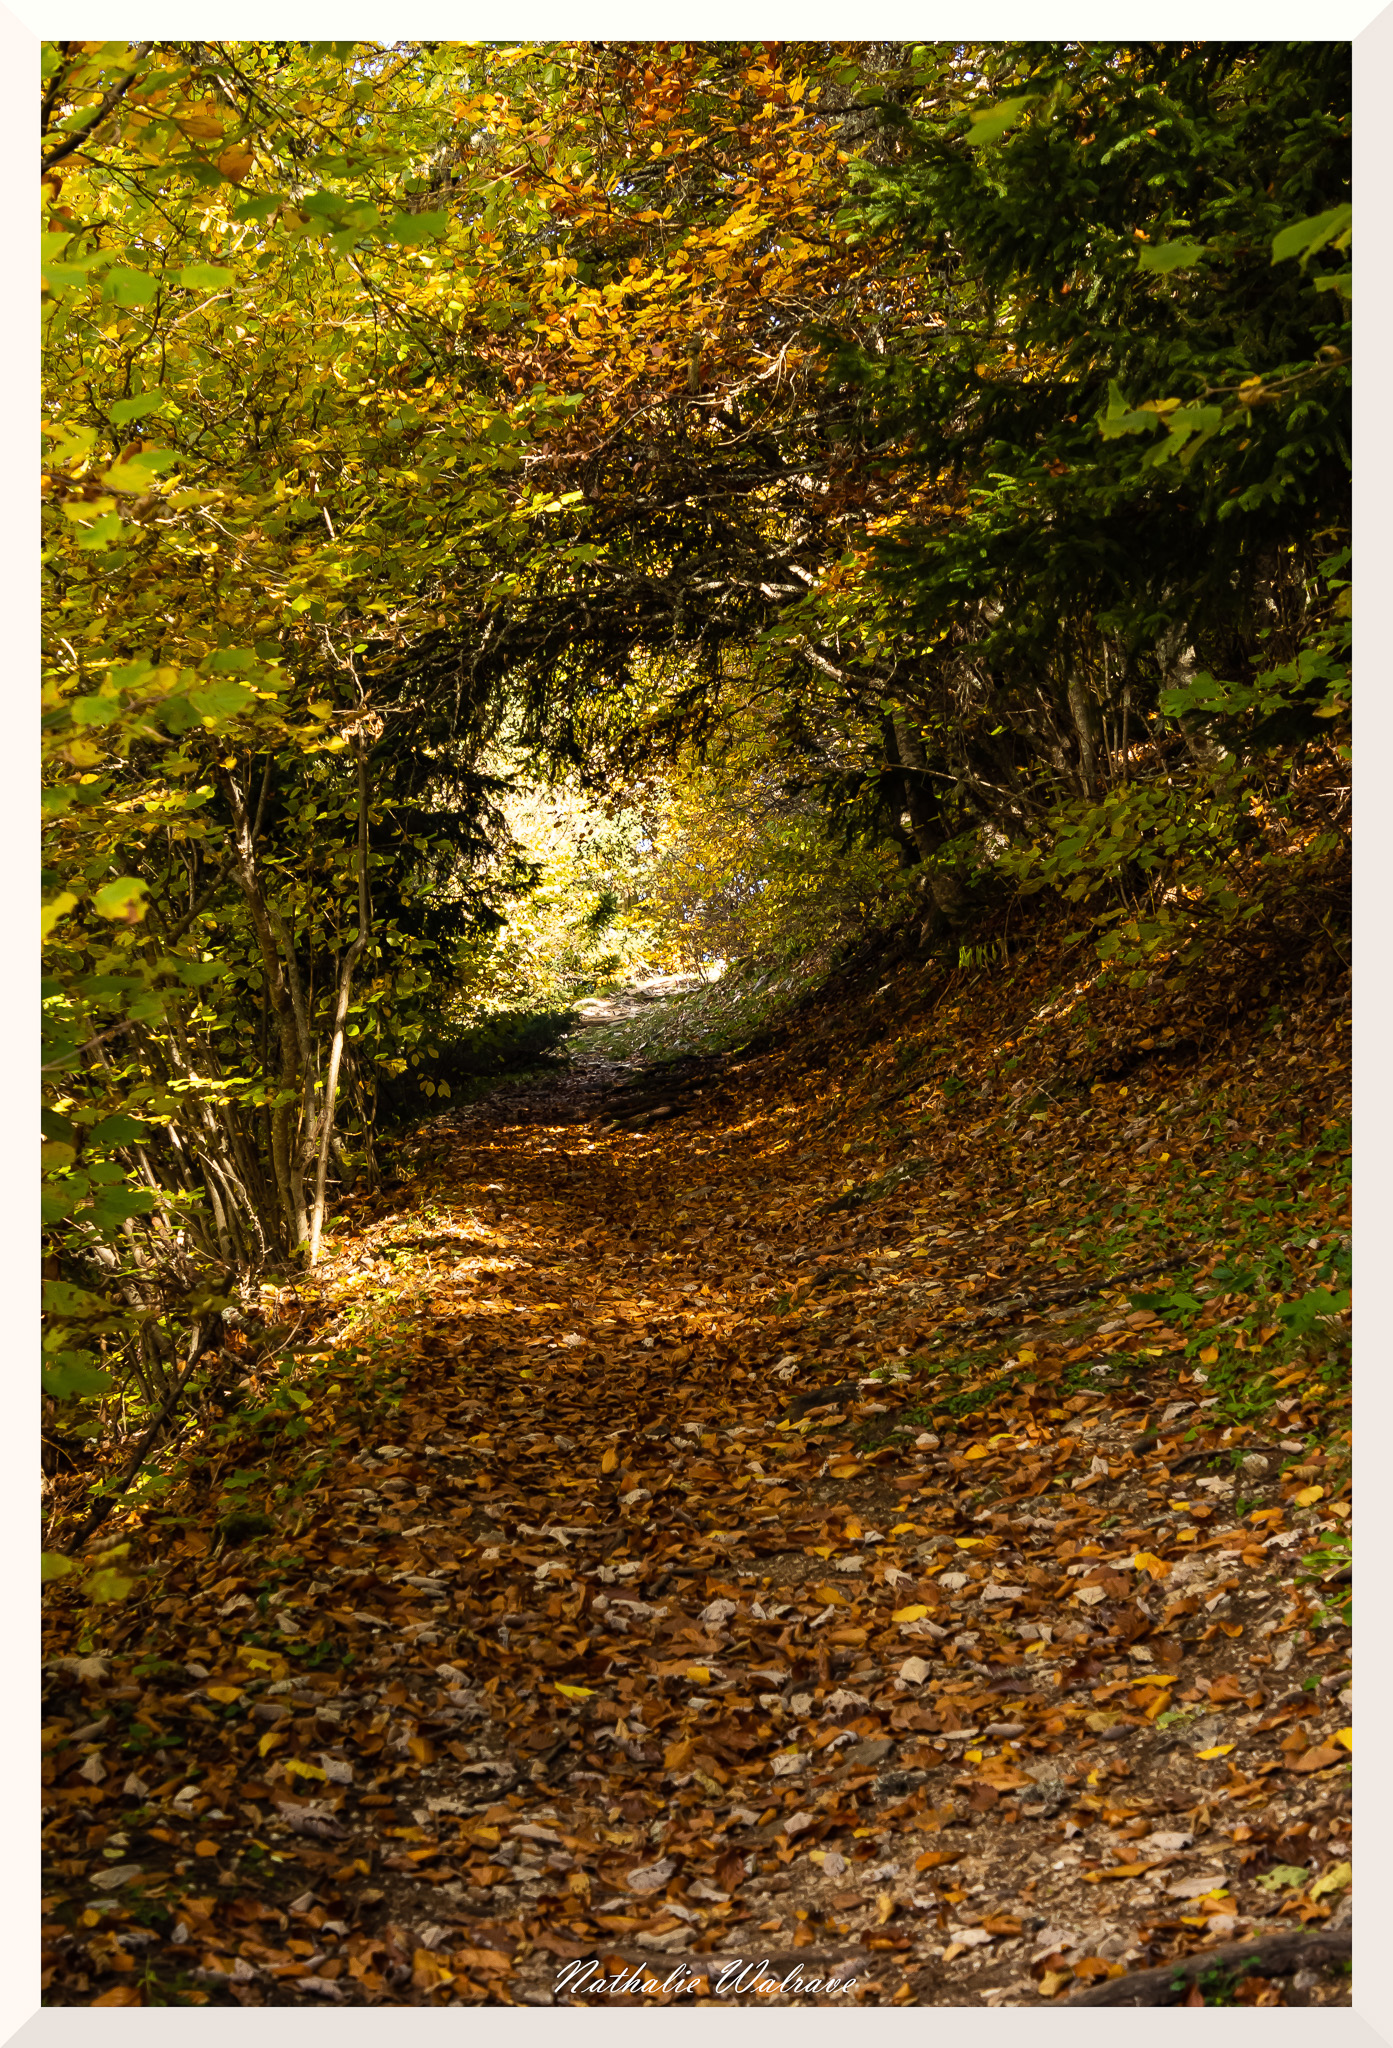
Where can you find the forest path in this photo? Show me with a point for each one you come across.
(585, 1636)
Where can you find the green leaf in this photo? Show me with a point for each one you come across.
(1121, 418)
(61, 1298)
(991, 125)
(415, 227)
(1168, 256)
(137, 408)
(125, 287)
(115, 1130)
(141, 472)
(122, 901)
(68, 1377)
(1304, 237)
(206, 277)
(108, 1585)
(53, 1565)
(95, 710)
(220, 700)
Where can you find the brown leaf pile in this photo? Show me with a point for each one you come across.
(632, 1601)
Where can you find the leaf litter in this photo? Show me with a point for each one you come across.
(886, 1515)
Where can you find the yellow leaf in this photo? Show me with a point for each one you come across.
(266, 1660)
(272, 1739)
(52, 911)
(909, 1614)
(295, 1768)
(905, 1529)
(847, 1468)
(678, 1755)
(1308, 1496)
(976, 1451)
(821, 1550)
(1209, 1355)
(1147, 1561)
(226, 1693)
(576, 1692)
(830, 1596)
(1219, 1749)
(205, 1848)
(421, 1747)
(609, 1460)
(967, 1542)
(698, 1674)
(1336, 1879)
(1346, 1736)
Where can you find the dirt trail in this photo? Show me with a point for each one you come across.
(614, 1611)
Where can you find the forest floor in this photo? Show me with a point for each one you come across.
(867, 1510)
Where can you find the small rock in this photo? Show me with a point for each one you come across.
(1255, 1465)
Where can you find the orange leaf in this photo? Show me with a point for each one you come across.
(1320, 1759)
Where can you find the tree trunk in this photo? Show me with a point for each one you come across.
(944, 887)
(291, 1028)
(350, 962)
(1087, 726)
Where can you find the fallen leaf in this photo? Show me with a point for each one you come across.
(1336, 1879)
(1321, 1758)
